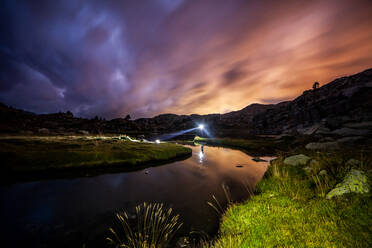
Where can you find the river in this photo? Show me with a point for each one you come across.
(73, 212)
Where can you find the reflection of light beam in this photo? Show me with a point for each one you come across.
(201, 156)
(157, 141)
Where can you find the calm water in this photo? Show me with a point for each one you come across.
(70, 212)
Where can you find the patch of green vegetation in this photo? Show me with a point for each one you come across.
(257, 145)
(290, 210)
(153, 227)
(30, 154)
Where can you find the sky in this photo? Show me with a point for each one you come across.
(147, 57)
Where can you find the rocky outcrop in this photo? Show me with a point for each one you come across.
(297, 160)
(355, 181)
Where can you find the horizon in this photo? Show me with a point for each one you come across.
(182, 57)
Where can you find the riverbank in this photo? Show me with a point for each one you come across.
(253, 146)
(29, 155)
(295, 205)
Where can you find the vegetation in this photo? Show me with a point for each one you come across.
(153, 227)
(257, 145)
(290, 209)
(37, 154)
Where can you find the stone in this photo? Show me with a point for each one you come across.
(345, 131)
(326, 139)
(309, 130)
(297, 160)
(323, 130)
(349, 140)
(322, 146)
(354, 182)
(83, 132)
(323, 173)
(366, 124)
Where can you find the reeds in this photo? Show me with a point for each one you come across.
(153, 227)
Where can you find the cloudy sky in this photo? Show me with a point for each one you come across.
(146, 57)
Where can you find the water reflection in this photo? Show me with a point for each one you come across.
(59, 213)
(201, 154)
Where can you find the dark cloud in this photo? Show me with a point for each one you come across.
(233, 75)
(148, 57)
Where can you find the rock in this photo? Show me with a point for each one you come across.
(366, 124)
(352, 162)
(322, 173)
(350, 132)
(322, 146)
(323, 131)
(355, 181)
(83, 132)
(326, 139)
(258, 159)
(349, 140)
(43, 131)
(297, 160)
(309, 130)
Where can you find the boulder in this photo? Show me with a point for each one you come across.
(322, 146)
(322, 173)
(349, 140)
(83, 132)
(297, 160)
(355, 181)
(309, 130)
(323, 130)
(366, 124)
(345, 131)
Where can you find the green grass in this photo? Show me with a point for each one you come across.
(152, 227)
(290, 210)
(30, 154)
(257, 145)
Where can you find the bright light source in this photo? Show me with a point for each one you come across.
(201, 126)
(157, 141)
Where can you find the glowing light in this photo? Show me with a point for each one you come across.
(157, 141)
(201, 156)
(201, 126)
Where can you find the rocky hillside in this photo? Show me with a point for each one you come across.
(343, 106)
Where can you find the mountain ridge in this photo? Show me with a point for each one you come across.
(345, 99)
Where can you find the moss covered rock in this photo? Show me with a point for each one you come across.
(355, 181)
(297, 160)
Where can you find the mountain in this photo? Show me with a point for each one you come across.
(344, 103)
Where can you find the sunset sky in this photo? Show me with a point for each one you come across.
(110, 58)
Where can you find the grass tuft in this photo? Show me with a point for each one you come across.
(153, 227)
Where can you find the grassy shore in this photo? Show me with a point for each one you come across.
(38, 154)
(255, 145)
(290, 209)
